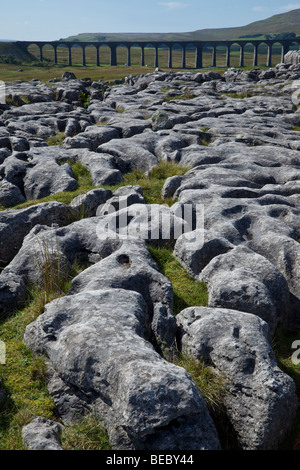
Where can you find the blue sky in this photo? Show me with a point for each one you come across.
(54, 19)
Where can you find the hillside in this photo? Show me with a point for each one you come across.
(282, 23)
(10, 49)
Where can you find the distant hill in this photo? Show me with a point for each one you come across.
(10, 49)
(283, 23)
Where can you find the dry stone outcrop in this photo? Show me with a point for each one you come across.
(98, 343)
(42, 434)
(107, 341)
(237, 345)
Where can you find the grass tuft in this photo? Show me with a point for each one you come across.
(187, 291)
(239, 96)
(24, 373)
(56, 139)
(211, 385)
(87, 434)
(152, 183)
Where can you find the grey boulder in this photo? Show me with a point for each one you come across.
(246, 281)
(10, 195)
(42, 434)
(292, 58)
(151, 222)
(97, 343)
(88, 204)
(160, 121)
(39, 183)
(261, 400)
(15, 224)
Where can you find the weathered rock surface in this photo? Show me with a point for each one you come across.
(16, 224)
(291, 58)
(39, 184)
(261, 400)
(88, 204)
(237, 135)
(42, 434)
(243, 280)
(10, 195)
(85, 241)
(97, 342)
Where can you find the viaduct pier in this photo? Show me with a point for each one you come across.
(197, 46)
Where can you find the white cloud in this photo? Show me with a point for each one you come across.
(288, 7)
(173, 5)
(258, 8)
(280, 9)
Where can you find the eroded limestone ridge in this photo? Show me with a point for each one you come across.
(105, 341)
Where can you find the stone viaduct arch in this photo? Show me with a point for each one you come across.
(196, 46)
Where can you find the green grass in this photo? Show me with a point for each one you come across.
(48, 70)
(87, 434)
(23, 377)
(24, 373)
(85, 99)
(56, 139)
(152, 183)
(82, 175)
(239, 96)
(187, 291)
(214, 389)
(211, 385)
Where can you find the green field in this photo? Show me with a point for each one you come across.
(32, 68)
(48, 70)
(122, 58)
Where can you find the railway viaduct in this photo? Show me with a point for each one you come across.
(197, 46)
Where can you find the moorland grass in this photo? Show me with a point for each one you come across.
(24, 374)
(151, 184)
(56, 139)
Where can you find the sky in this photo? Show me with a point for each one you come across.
(50, 20)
